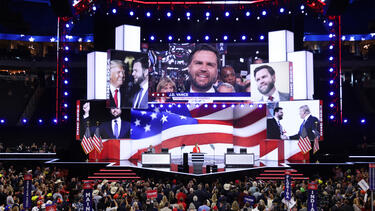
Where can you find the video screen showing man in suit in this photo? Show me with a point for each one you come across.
(203, 64)
(274, 128)
(121, 84)
(271, 82)
(309, 126)
(140, 88)
(113, 123)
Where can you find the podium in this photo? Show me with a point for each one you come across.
(197, 159)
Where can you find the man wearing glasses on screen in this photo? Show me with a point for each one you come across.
(203, 64)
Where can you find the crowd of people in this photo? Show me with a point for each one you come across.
(35, 147)
(57, 187)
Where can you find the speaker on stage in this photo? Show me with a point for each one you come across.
(185, 159)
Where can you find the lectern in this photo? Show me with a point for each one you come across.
(197, 159)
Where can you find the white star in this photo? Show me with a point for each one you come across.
(153, 116)
(143, 112)
(137, 122)
(168, 111)
(183, 117)
(147, 127)
(157, 110)
(164, 119)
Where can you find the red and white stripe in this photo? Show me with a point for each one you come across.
(304, 144)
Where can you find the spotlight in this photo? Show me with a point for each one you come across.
(331, 117)
(24, 121)
(131, 13)
(206, 37)
(54, 121)
(2, 121)
(94, 8)
(67, 48)
(148, 14)
(330, 35)
(330, 47)
(66, 82)
(152, 37)
(243, 37)
(302, 7)
(264, 13)
(345, 121)
(363, 121)
(227, 14)
(169, 14)
(232, 106)
(282, 10)
(261, 37)
(247, 14)
(242, 105)
(40, 121)
(66, 59)
(66, 70)
(225, 37)
(114, 11)
(330, 58)
(208, 14)
(188, 37)
(67, 25)
(330, 70)
(65, 117)
(179, 105)
(214, 106)
(161, 106)
(331, 93)
(330, 24)
(205, 105)
(331, 105)
(65, 105)
(223, 105)
(331, 81)
(66, 93)
(170, 37)
(188, 14)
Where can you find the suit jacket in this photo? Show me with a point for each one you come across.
(144, 100)
(308, 129)
(107, 133)
(105, 129)
(273, 129)
(124, 99)
(284, 96)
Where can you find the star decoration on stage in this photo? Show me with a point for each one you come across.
(147, 127)
(183, 117)
(153, 116)
(164, 119)
(137, 122)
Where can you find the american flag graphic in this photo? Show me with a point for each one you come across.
(86, 142)
(170, 126)
(371, 177)
(316, 144)
(97, 141)
(215, 127)
(304, 144)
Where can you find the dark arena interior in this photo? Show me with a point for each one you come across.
(187, 105)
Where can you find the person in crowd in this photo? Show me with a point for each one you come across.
(228, 75)
(165, 85)
(226, 88)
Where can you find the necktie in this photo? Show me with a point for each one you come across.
(116, 99)
(115, 132)
(270, 98)
(301, 128)
(280, 128)
(139, 98)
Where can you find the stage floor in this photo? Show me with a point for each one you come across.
(209, 161)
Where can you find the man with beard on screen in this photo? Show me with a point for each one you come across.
(116, 128)
(274, 128)
(203, 64)
(265, 78)
(140, 90)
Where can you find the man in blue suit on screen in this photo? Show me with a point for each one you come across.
(116, 128)
(309, 126)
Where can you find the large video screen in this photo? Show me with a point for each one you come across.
(198, 73)
(271, 82)
(292, 119)
(113, 123)
(127, 79)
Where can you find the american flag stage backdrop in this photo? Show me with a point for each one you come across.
(221, 125)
